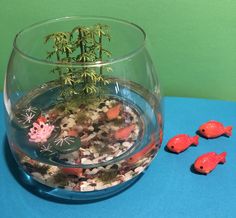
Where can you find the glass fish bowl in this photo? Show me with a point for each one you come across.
(82, 106)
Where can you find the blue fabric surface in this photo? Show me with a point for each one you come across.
(167, 189)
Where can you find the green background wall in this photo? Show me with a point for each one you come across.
(193, 42)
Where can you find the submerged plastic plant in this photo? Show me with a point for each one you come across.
(83, 45)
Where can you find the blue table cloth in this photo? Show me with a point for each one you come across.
(168, 188)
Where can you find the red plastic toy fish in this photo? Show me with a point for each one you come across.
(73, 133)
(208, 162)
(73, 171)
(181, 142)
(114, 112)
(150, 147)
(124, 133)
(213, 129)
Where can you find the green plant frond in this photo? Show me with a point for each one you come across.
(68, 77)
(90, 89)
(56, 70)
(106, 81)
(87, 57)
(50, 54)
(89, 73)
(100, 78)
(109, 69)
(106, 52)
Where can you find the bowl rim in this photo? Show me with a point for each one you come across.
(80, 64)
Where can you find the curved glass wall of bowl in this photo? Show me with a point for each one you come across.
(83, 105)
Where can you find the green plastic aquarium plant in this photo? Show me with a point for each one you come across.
(83, 45)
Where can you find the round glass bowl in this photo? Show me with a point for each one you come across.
(82, 106)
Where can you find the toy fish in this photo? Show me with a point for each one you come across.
(208, 162)
(113, 112)
(73, 133)
(181, 142)
(124, 133)
(73, 171)
(213, 129)
(136, 157)
(160, 136)
(42, 119)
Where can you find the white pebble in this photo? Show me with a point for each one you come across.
(86, 188)
(99, 159)
(108, 167)
(101, 168)
(109, 158)
(117, 144)
(128, 109)
(53, 170)
(94, 116)
(115, 183)
(64, 134)
(71, 123)
(91, 172)
(128, 175)
(91, 136)
(139, 169)
(104, 109)
(114, 128)
(126, 144)
(37, 175)
(118, 153)
(79, 128)
(90, 128)
(136, 131)
(96, 155)
(86, 152)
(99, 185)
(86, 161)
(94, 170)
(92, 150)
(72, 116)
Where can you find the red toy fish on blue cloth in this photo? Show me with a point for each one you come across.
(213, 129)
(208, 162)
(181, 142)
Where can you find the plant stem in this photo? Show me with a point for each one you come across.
(81, 43)
(83, 50)
(100, 50)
